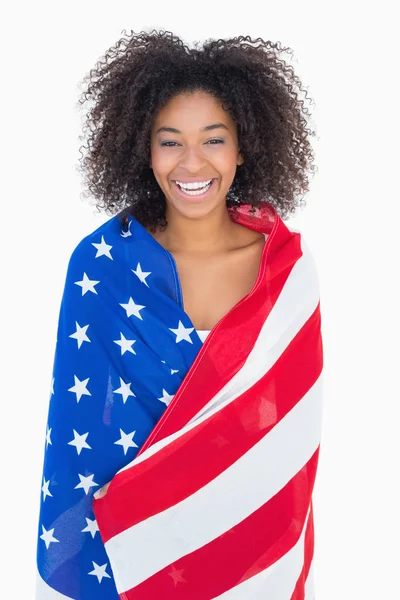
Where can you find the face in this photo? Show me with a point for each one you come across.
(194, 140)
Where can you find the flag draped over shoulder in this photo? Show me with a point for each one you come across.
(211, 449)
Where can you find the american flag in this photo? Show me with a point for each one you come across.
(211, 449)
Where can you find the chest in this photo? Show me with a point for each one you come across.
(212, 287)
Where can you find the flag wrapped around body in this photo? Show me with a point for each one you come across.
(211, 449)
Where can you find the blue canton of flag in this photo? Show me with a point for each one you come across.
(124, 345)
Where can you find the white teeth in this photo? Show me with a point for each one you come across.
(194, 186)
(196, 192)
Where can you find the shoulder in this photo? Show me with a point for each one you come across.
(308, 253)
(246, 237)
(105, 240)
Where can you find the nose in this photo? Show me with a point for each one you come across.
(192, 160)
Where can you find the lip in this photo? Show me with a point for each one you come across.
(197, 198)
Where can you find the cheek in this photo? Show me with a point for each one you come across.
(225, 163)
(162, 162)
(226, 155)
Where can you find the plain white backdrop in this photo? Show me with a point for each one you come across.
(347, 57)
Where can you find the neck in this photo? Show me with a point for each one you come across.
(205, 236)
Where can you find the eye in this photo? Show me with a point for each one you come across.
(208, 142)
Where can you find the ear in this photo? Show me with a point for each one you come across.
(240, 160)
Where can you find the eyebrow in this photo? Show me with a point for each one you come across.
(207, 128)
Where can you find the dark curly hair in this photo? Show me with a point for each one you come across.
(143, 71)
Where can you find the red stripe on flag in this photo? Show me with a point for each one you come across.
(216, 443)
(232, 558)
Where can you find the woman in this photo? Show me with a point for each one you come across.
(183, 431)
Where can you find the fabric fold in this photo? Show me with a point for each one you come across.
(210, 449)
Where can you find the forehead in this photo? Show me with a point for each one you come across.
(191, 112)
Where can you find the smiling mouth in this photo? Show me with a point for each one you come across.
(196, 193)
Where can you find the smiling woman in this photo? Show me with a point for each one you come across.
(184, 422)
(261, 105)
(192, 157)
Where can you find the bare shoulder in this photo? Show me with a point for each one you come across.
(245, 237)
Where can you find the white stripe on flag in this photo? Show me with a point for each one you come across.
(149, 546)
(277, 581)
(286, 319)
(45, 592)
(309, 591)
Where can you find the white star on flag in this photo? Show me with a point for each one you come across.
(47, 536)
(141, 274)
(99, 571)
(86, 483)
(92, 527)
(126, 345)
(79, 441)
(133, 309)
(103, 249)
(166, 398)
(45, 489)
(87, 285)
(80, 388)
(126, 441)
(182, 333)
(124, 390)
(80, 334)
(48, 433)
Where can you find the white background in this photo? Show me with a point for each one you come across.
(347, 57)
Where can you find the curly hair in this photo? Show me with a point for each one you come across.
(143, 71)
